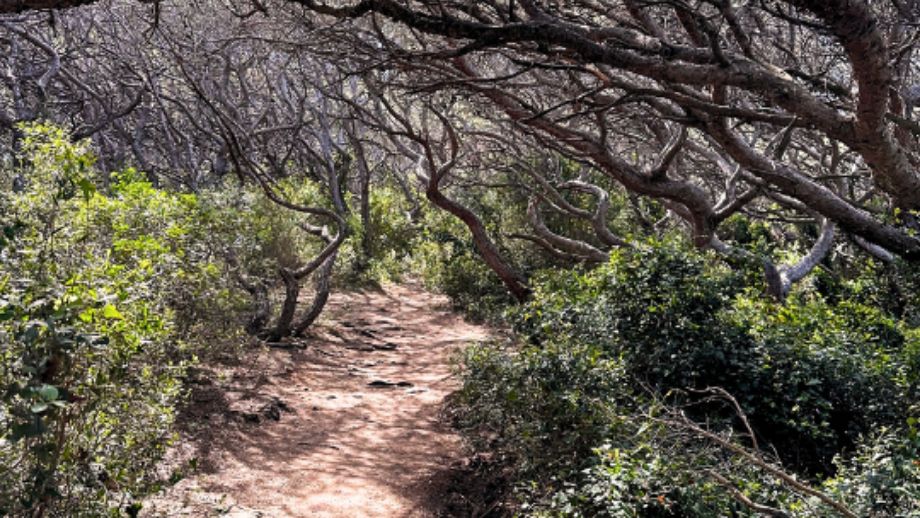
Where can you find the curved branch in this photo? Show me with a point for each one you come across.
(852, 22)
(19, 6)
(790, 274)
(874, 250)
(544, 244)
(572, 246)
(669, 154)
(514, 281)
(818, 197)
(599, 218)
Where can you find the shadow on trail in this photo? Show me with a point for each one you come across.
(340, 446)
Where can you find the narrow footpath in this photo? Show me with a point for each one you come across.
(347, 423)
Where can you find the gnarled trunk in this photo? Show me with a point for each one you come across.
(291, 294)
(323, 288)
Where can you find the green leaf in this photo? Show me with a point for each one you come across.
(87, 187)
(110, 312)
(48, 392)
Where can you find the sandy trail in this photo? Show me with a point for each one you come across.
(341, 446)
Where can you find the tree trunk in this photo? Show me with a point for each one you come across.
(323, 287)
(514, 281)
(291, 293)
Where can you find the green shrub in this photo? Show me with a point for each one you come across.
(578, 438)
(811, 376)
(90, 365)
(448, 262)
(109, 291)
(555, 400)
(391, 234)
(882, 477)
(822, 375)
(654, 329)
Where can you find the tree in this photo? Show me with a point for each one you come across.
(708, 107)
(796, 113)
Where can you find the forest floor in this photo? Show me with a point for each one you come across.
(347, 423)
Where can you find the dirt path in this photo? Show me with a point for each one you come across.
(349, 426)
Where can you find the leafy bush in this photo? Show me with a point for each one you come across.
(612, 348)
(823, 375)
(446, 258)
(391, 231)
(170, 239)
(580, 441)
(811, 376)
(555, 400)
(106, 298)
(90, 367)
(882, 477)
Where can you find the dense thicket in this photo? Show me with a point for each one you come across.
(598, 411)
(698, 217)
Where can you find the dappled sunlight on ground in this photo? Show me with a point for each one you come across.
(359, 429)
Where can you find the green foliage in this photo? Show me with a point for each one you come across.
(89, 375)
(752, 235)
(893, 288)
(811, 375)
(164, 243)
(105, 299)
(391, 234)
(660, 325)
(578, 438)
(448, 262)
(822, 375)
(882, 477)
(554, 400)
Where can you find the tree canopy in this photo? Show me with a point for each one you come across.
(698, 218)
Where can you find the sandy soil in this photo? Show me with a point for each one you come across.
(346, 424)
